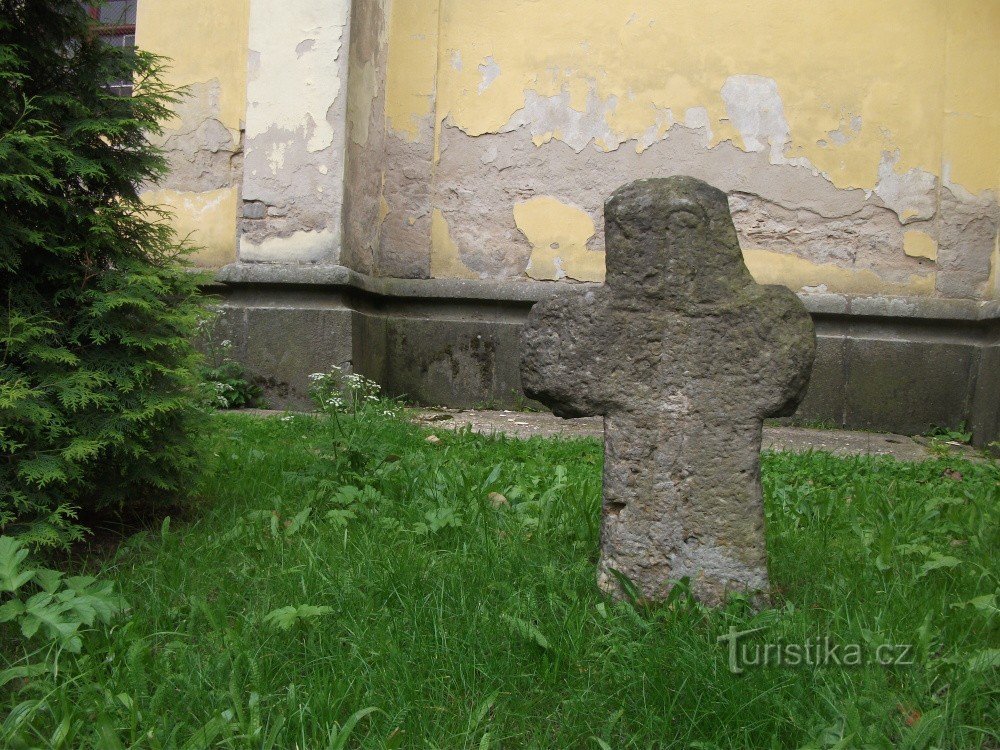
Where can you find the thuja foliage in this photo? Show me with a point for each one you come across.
(97, 392)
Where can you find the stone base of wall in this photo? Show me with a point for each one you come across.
(886, 363)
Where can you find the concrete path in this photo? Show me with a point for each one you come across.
(840, 442)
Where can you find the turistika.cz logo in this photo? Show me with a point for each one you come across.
(813, 652)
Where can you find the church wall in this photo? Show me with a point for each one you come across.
(858, 141)
(416, 172)
(293, 174)
(206, 44)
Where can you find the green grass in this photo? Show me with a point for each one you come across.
(470, 626)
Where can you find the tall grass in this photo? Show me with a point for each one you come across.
(359, 586)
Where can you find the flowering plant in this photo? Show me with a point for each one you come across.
(339, 392)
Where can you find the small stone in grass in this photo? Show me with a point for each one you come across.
(497, 500)
(433, 439)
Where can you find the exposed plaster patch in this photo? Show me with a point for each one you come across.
(299, 247)
(664, 118)
(456, 60)
(756, 111)
(201, 150)
(490, 72)
(558, 234)
(405, 236)
(276, 157)
(304, 46)
(912, 195)
(553, 117)
(967, 237)
(697, 118)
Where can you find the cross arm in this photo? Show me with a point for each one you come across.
(787, 350)
(561, 364)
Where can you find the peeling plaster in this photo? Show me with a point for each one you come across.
(756, 111)
(296, 123)
(202, 140)
(779, 210)
(295, 81)
(912, 194)
(855, 70)
(553, 117)
(490, 71)
(558, 234)
(201, 150)
(833, 178)
(299, 247)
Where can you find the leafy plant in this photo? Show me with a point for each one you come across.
(339, 392)
(98, 394)
(948, 435)
(285, 618)
(228, 384)
(44, 604)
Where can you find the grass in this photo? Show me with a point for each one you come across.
(355, 586)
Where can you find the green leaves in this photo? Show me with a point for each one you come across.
(937, 561)
(437, 519)
(60, 608)
(97, 391)
(526, 631)
(12, 554)
(285, 618)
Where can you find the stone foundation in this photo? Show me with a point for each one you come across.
(900, 364)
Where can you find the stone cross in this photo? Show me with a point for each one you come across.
(684, 355)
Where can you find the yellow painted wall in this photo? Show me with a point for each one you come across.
(923, 75)
(207, 47)
(872, 93)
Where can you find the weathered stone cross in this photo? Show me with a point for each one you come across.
(684, 355)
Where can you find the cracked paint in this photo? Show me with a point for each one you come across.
(857, 188)
(296, 125)
(202, 141)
